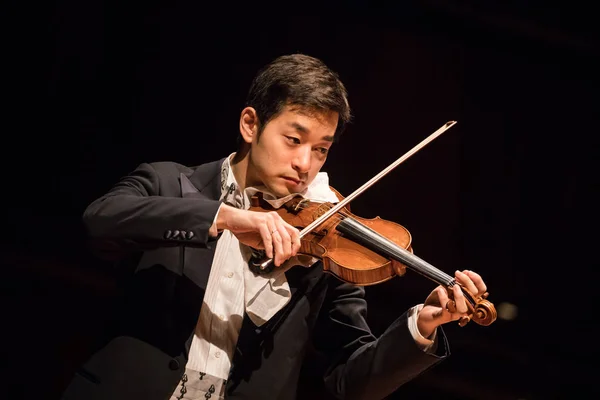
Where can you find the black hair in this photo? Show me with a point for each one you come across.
(298, 80)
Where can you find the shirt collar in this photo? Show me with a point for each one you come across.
(318, 190)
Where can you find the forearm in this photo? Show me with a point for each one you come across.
(151, 220)
(362, 366)
(136, 213)
(379, 368)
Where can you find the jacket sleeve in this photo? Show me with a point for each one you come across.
(135, 215)
(360, 365)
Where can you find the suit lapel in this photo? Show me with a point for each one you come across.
(205, 179)
(205, 182)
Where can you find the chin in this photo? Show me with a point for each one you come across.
(286, 191)
(282, 192)
(278, 190)
(281, 189)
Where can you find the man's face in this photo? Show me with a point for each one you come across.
(291, 150)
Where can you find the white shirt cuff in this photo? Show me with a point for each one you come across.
(212, 231)
(424, 343)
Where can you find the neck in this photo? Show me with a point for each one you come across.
(239, 165)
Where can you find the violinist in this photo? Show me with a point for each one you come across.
(196, 322)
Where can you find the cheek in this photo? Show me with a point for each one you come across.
(316, 167)
(269, 159)
(278, 155)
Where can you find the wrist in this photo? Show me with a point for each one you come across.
(223, 217)
(426, 329)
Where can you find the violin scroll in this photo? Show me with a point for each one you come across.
(480, 310)
(485, 313)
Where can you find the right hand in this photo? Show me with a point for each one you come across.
(261, 230)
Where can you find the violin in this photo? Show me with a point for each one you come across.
(360, 250)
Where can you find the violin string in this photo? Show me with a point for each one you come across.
(378, 243)
(438, 275)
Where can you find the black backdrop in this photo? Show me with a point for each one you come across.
(94, 88)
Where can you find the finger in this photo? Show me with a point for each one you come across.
(468, 284)
(286, 242)
(267, 240)
(459, 299)
(294, 238)
(442, 295)
(443, 300)
(296, 243)
(275, 238)
(478, 281)
(277, 247)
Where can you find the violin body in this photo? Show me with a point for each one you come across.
(341, 256)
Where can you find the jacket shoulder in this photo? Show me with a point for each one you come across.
(171, 168)
(202, 176)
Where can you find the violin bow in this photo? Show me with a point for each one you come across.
(265, 264)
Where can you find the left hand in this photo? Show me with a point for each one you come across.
(434, 312)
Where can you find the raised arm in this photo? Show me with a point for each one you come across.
(144, 210)
(362, 366)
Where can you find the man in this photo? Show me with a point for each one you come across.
(197, 323)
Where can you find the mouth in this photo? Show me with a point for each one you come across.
(293, 181)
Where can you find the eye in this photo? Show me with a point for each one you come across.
(293, 140)
(323, 150)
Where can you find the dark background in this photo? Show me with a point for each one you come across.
(93, 88)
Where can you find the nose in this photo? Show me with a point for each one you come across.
(301, 162)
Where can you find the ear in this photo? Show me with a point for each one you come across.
(248, 124)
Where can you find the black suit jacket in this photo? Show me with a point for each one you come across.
(158, 229)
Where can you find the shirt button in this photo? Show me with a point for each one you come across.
(230, 275)
(218, 354)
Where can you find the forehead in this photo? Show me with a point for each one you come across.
(315, 118)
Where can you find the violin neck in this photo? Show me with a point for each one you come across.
(372, 240)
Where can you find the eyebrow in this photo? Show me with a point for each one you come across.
(303, 130)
